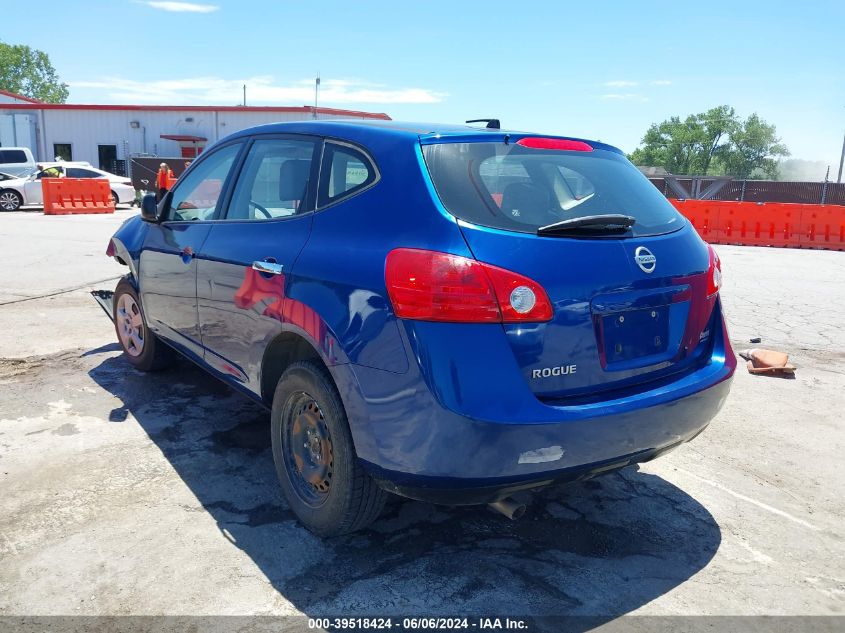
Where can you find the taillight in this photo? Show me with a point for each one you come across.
(434, 286)
(714, 273)
(563, 144)
(110, 249)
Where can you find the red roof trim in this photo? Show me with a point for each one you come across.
(15, 95)
(183, 137)
(303, 109)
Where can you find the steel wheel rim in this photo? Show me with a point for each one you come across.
(308, 450)
(130, 325)
(8, 201)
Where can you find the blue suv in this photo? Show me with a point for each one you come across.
(448, 313)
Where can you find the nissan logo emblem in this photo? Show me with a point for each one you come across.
(645, 259)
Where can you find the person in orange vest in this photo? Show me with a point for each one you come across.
(163, 178)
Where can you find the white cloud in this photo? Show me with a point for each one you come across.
(624, 96)
(182, 7)
(260, 90)
(620, 83)
(660, 82)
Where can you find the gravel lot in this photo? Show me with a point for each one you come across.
(125, 493)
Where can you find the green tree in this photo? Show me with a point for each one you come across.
(669, 145)
(754, 150)
(28, 72)
(688, 146)
(713, 142)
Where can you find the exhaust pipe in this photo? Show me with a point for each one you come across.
(509, 507)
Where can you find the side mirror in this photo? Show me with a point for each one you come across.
(149, 208)
(152, 211)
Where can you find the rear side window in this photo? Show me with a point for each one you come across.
(12, 156)
(521, 189)
(77, 172)
(345, 171)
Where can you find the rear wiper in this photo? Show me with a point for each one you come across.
(607, 223)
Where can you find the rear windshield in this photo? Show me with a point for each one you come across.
(12, 156)
(521, 189)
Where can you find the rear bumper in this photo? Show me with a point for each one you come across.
(436, 492)
(433, 434)
(125, 193)
(464, 461)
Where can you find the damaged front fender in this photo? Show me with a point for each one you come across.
(128, 241)
(105, 299)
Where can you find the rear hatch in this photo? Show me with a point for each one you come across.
(630, 303)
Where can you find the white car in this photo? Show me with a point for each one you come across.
(26, 190)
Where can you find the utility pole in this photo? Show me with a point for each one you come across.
(841, 160)
(316, 93)
(244, 95)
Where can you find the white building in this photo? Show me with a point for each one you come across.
(106, 135)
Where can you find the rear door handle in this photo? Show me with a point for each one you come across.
(268, 268)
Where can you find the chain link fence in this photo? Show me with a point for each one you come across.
(760, 190)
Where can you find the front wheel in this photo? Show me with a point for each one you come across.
(114, 199)
(10, 200)
(325, 485)
(142, 349)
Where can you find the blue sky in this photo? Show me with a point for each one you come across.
(603, 70)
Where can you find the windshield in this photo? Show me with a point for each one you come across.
(521, 189)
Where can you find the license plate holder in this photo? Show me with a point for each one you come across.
(634, 334)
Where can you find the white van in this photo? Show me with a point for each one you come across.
(16, 161)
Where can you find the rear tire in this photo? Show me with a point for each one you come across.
(115, 200)
(10, 200)
(140, 346)
(325, 485)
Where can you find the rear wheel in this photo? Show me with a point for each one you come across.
(115, 200)
(142, 349)
(325, 485)
(10, 200)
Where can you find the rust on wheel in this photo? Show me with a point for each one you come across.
(308, 449)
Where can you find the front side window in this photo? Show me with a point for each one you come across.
(345, 171)
(516, 188)
(195, 197)
(274, 180)
(51, 172)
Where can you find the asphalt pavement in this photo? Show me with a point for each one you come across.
(125, 493)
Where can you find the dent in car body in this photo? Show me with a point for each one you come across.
(128, 241)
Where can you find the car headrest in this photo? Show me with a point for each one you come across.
(293, 178)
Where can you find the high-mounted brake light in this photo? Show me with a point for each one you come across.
(433, 286)
(539, 142)
(714, 273)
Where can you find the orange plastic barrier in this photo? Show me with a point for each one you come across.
(823, 226)
(65, 196)
(704, 216)
(753, 224)
(767, 224)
